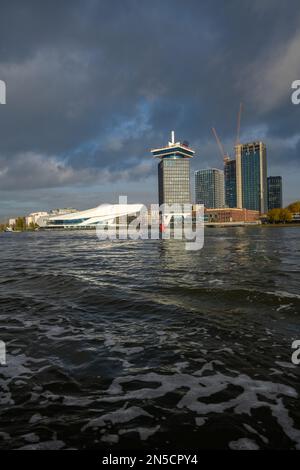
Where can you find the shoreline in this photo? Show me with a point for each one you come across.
(214, 226)
(224, 225)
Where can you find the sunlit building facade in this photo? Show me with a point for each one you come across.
(174, 172)
(251, 176)
(209, 188)
(105, 214)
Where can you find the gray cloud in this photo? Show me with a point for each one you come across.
(92, 86)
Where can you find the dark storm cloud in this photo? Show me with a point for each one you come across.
(93, 85)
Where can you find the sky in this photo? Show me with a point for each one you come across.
(92, 86)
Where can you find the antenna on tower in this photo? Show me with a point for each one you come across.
(172, 141)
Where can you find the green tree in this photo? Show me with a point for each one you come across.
(273, 216)
(294, 207)
(20, 223)
(285, 216)
(32, 226)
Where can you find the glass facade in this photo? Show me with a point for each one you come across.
(230, 183)
(251, 179)
(67, 222)
(209, 188)
(178, 150)
(251, 176)
(174, 172)
(274, 192)
(174, 180)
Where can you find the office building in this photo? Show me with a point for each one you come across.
(251, 176)
(12, 222)
(230, 182)
(231, 215)
(36, 218)
(209, 188)
(174, 172)
(274, 192)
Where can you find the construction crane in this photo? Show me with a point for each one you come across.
(239, 125)
(225, 155)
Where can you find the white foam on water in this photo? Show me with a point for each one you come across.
(243, 444)
(288, 365)
(76, 401)
(35, 418)
(178, 366)
(284, 307)
(226, 350)
(110, 438)
(253, 431)
(46, 445)
(16, 370)
(208, 366)
(284, 294)
(16, 367)
(255, 394)
(200, 421)
(216, 282)
(143, 432)
(275, 371)
(127, 351)
(109, 340)
(123, 415)
(31, 437)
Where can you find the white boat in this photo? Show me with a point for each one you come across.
(10, 230)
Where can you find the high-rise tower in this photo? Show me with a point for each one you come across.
(274, 192)
(230, 182)
(209, 188)
(251, 176)
(174, 172)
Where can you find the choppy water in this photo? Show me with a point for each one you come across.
(143, 344)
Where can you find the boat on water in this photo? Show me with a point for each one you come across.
(10, 230)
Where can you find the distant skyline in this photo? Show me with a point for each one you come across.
(93, 86)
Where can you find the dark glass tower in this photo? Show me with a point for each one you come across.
(251, 176)
(230, 183)
(274, 192)
(174, 172)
